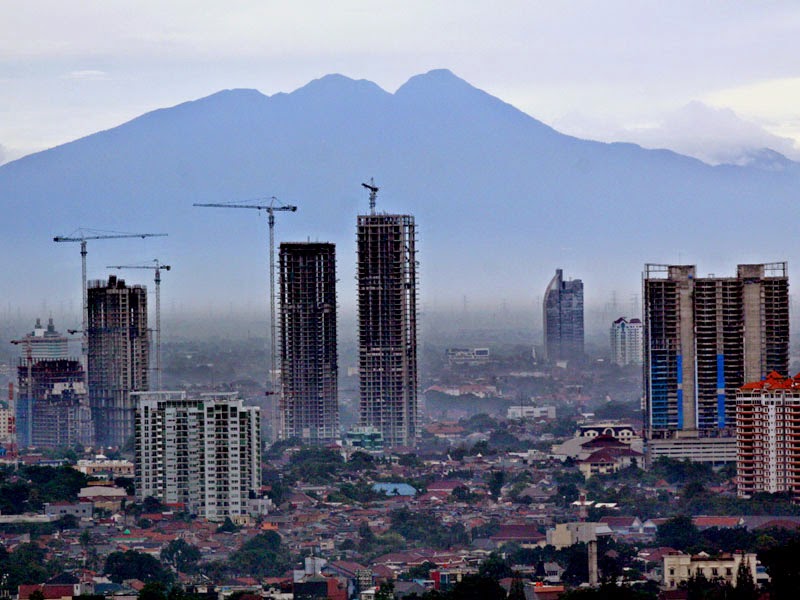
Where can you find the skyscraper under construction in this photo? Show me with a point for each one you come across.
(119, 356)
(309, 407)
(704, 338)
(387, 324)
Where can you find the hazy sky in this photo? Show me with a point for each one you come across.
(707, 78)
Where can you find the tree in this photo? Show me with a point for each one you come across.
(784, 569)
(495, 482)
(517, 590)
(422, 571)
(85, 538)
(746, 588)
(152, 505)
(386, 591)
(494, 567)
(135, 565)
(261, 556)
(153, 591)
(68, 522)
(181, 555)
(678, 532)
(227, 526)
(477, 587)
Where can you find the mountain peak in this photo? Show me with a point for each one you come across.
(334, 84)
(437, 81)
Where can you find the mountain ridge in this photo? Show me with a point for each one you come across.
(483, 178)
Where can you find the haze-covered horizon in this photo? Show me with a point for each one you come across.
(501, 200)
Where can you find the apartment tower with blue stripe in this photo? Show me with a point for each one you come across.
(704, 337)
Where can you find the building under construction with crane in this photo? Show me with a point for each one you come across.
(387, 323)
(118, 358)
(52, 407)
(309, 407)
(55, 411)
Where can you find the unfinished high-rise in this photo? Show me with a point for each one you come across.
(54, 412)
(119, 356)
(309, 407)
(704, 337)
(387, 325)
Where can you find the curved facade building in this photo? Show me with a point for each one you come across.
(563, 319)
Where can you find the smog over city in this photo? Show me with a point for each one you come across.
(399, 300)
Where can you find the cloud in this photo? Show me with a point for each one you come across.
(713, 135)
(87, 75)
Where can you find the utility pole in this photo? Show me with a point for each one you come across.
(157, 267)
(270, 209)
(82, 236)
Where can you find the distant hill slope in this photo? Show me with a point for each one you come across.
(501, 199)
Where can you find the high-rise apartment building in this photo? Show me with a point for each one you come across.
(202, 453)
(387, 326)
(704, 338)
(768, 445)
(626, 341)
(119, 356)
(563, 318)
(309, 407)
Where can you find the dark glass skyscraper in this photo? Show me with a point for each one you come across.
(563, 318)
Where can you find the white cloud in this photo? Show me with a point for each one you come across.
(714, 135)
(87, 75)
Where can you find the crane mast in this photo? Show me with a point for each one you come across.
(270, 208)
(157, 268)
(373, 194)
(82, 236)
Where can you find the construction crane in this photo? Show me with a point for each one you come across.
(373, 194)
(270, 209)
(82, 236)
(157, 267)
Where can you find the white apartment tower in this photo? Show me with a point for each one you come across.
(767, 444)
(626, 341)
(203, 453)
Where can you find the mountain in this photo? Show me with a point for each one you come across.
(501, 199)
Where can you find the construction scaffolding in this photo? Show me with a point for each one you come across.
(309, 406)
(704, 338)
(119, 356)
(387, 326)
(55, 410)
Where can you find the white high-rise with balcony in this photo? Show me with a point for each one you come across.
(626, 341)
(203, 454)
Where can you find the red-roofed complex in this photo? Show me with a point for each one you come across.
(768, 436)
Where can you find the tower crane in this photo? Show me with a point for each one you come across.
(269, 207)
(373, 194)
(157, 267)
(82, 236)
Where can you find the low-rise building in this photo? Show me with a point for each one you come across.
(679, 567)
